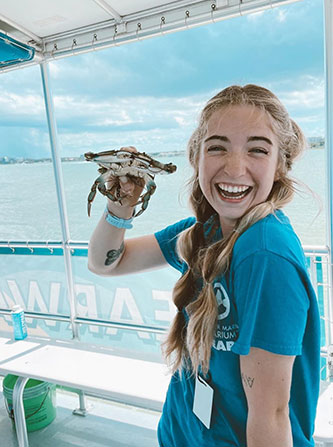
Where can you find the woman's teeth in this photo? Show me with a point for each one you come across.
(237, 192)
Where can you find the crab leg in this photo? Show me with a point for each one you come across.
(92, 195)
(151, 187)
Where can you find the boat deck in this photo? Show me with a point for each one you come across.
(107, 424)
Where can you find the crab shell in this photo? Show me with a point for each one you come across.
(118, 170)
(128, 158)
(121, 163)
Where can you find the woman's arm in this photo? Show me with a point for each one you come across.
(266, 379)
(109, 254)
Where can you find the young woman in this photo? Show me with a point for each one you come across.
(244, 345)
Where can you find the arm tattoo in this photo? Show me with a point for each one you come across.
(113, 255)
(248, 381)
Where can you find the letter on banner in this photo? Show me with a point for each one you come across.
(124, 297)
(17, 297)
(90, 308)
(4, 304)
(37, 303)
(164, 315)
(13, 287)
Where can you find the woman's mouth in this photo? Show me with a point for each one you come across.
(233, 192)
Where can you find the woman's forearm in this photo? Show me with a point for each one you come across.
(269, 429)
(106, 245)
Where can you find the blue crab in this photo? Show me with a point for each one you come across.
(138, 166)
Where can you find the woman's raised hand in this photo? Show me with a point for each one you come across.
(127, 188)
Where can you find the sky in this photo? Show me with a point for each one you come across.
(149, 93)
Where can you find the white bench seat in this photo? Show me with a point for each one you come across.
(92, 369)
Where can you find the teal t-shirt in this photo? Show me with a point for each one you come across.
(265, 301)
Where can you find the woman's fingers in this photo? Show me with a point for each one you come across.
(127, 188)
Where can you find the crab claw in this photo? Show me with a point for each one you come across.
(91, 196)
(89, 156)
(90, 201)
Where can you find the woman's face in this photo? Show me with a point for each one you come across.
(238, 161)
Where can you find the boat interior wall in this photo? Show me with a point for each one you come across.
(68, 27)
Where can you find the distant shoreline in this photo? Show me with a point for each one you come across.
(10, 161)
(318, 144)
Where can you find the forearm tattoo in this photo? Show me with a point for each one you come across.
(113, 255)
(248, 381)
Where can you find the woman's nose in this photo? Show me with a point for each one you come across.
(235, 165)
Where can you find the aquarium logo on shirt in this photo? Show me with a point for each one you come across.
(227, 330)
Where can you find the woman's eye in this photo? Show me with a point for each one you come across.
(258, 150)
(216, 149)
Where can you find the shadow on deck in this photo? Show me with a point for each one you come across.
(107, 424)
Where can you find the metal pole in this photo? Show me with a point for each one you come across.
(60, 194)
(83, 409)
(328, 13)
(19, 415)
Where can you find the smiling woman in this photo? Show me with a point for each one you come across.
(244, 345)
(238, 162)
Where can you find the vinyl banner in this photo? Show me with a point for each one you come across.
(39, 284)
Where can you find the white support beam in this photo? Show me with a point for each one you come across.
(112, 12)
(21, 28)
(328, 12)
(56, 160)
(176, 16)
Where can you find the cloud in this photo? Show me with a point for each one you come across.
(199, 59)
(304, 98)
(26, 104)
(282, 15)
(308, 95)
(150, 93)
(152, 124)
(147, 111)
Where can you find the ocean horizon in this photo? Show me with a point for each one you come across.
(30, 209)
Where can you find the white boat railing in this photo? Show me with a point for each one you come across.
(317, 259)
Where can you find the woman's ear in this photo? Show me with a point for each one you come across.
(280, 168)
(277, 175)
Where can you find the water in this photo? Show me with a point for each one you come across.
(29, 207)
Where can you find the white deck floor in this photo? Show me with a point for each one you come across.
(107, 424)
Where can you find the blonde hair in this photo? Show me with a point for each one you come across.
(189, 344)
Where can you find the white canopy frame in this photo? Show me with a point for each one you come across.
(328, 12)
(119, 29)
(138, 24)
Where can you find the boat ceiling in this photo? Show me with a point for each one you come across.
(66, 27)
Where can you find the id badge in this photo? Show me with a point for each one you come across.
(203, 400)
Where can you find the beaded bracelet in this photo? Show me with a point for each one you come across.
(117, 221)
